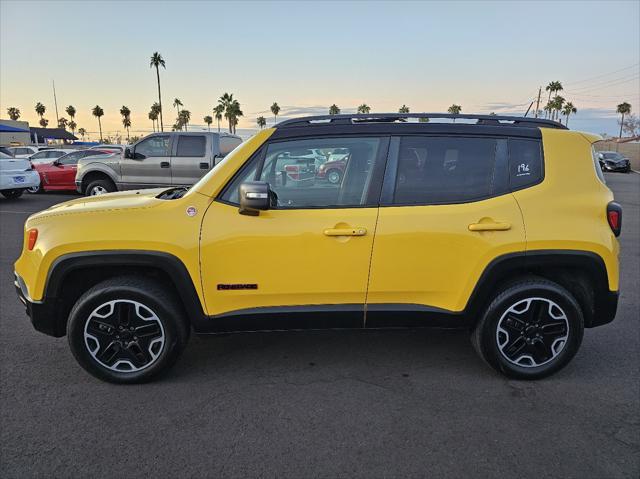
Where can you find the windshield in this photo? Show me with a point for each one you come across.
(613, 156)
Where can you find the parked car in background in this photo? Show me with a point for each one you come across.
(60, 174)
(160, 159)
(16, 175)
(23, 151)
(47, 156)
(613, 161)
(332, 171)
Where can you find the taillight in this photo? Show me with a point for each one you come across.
(32, 236)
(614, 217)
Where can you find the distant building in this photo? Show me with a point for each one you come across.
(46, 136)
(14, 133)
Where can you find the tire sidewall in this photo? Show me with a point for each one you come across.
(332, 172)
(88, 303)
(105, 184)
(507, 299)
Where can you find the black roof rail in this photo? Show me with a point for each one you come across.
(346, 119)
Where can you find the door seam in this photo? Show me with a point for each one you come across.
(373, 242)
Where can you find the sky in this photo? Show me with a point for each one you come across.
(485, 56)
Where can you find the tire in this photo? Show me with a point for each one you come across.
(12, 194)
(35, 189)
(531, 329)
(127, 329)
(334, 177)
(100, 187)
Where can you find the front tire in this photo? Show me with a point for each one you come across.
(35, 189)
(334, 176)
(100, 187)
(530, 330)
(127, 330)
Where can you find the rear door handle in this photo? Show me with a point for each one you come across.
(345, 231)
(489, 226)
(204, 166)
(165, 164)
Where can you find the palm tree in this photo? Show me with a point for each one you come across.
(231, 110)
(184, 117)
(208, 120)
(73, 125)
(217, 112)
(623, 109)
(552, 87)
(71, 111)
(556, 104)
(403, 109)
(364, 109)
(334, 110)
(62, 123)
(275, 109)
(567, 110)
(177, 103)
(82, 132)
(98, 112)
(157, 61)
(261, 122)
(454, 110)
(40, 109)
(13, 113)
(44, 122)
(126, 122)
(153, 116)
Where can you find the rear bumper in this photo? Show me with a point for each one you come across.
(42, 313)
(29, 179)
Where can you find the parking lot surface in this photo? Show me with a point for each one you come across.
(415, 403)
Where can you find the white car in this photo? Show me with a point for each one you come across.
(22, 151)
(16, 175)
(47, 156)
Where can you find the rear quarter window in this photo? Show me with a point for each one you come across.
(525, 163)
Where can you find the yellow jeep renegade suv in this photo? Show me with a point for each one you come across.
(501, 225)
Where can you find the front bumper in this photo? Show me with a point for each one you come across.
(79, 186)
(624, 167)
(42, 313)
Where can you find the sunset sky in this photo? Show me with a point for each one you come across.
(485, 56)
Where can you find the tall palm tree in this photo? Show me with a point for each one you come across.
(261, 121)
(153, 116)
(184, 117)
(556, 104)
(44, 122)
(567, 110)
(71, 111)
(72, 126)
(13, 113)
(98, 112)
(218, 110)
(177, 104)
(454, 110)
(623, 109)
(275, 109)
(364, 109)
(40, 109)
(62, 123)
(208, 120)
(157, 61)
(231, 110)
(126, 118)
(403, 109)
(334, 110)
(126, 122)
(82, 132)
(553, 88)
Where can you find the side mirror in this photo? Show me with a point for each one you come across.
(128, 153)
(254, 197)
(56, 163)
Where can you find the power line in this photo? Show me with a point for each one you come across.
(603, 75)
(606, 83)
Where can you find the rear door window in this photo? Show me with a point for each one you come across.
(191, 145)
(525, 163)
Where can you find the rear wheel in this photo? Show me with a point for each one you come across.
(100, 187)
(127, 330)
(34, 189)
(11, 194)
(334, 176)
(531, 329)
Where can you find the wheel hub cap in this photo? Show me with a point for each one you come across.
(124, 335)
(532, 332)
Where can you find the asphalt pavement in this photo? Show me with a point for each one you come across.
(415, 403)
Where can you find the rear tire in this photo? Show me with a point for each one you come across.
(35, 189)
(334, 177)
(100, 187)
(127, 330)
(530, 330)
(12, 194)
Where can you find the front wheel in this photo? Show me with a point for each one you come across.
(34, 189)
(12, 194)
(334, 176)
(127, 330)
(100, 187)
(530, 330)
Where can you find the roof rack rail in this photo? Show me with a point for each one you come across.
(345, 119)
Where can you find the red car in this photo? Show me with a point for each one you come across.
(60, 175)
(332, 171)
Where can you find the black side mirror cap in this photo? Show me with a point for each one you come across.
(127, 153)
(254, 197)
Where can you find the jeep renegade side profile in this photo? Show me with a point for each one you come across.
(501, 225)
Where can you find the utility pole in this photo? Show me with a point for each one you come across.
(55, 101)
(538, 102)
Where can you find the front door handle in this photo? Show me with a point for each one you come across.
(164, 164)
(345, 231)
(493, 226)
